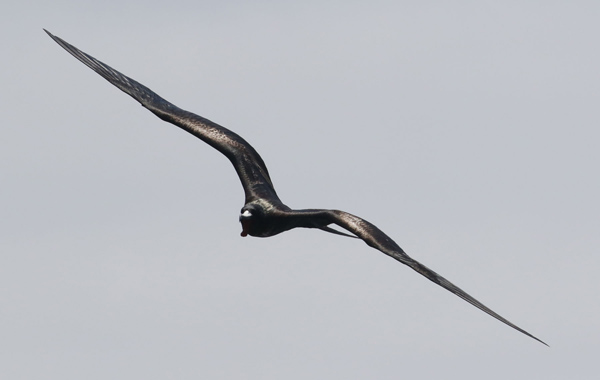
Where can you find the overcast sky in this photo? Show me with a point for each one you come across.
(468, 132)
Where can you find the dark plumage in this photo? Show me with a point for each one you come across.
(264, 214)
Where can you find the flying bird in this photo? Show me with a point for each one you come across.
(264, 214)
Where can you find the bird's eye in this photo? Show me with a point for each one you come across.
(246, 213)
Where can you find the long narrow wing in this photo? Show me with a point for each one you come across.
(247, 162)
(375, 238)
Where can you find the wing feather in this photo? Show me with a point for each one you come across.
(248, 164)
(375, 238)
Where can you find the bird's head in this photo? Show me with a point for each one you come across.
(252, 219)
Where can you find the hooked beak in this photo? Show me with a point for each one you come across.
(245, 220)
(245, 227)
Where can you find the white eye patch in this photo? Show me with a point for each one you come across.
(246, 213)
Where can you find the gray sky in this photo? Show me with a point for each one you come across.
(467, 132)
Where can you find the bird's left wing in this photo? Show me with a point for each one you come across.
(375, 238)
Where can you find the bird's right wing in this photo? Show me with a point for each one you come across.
(248, 164)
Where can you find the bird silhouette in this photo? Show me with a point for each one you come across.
(264, 214)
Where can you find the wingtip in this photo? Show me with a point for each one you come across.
(51, 35)
(532, 336)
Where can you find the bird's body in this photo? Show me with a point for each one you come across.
(264, 214)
